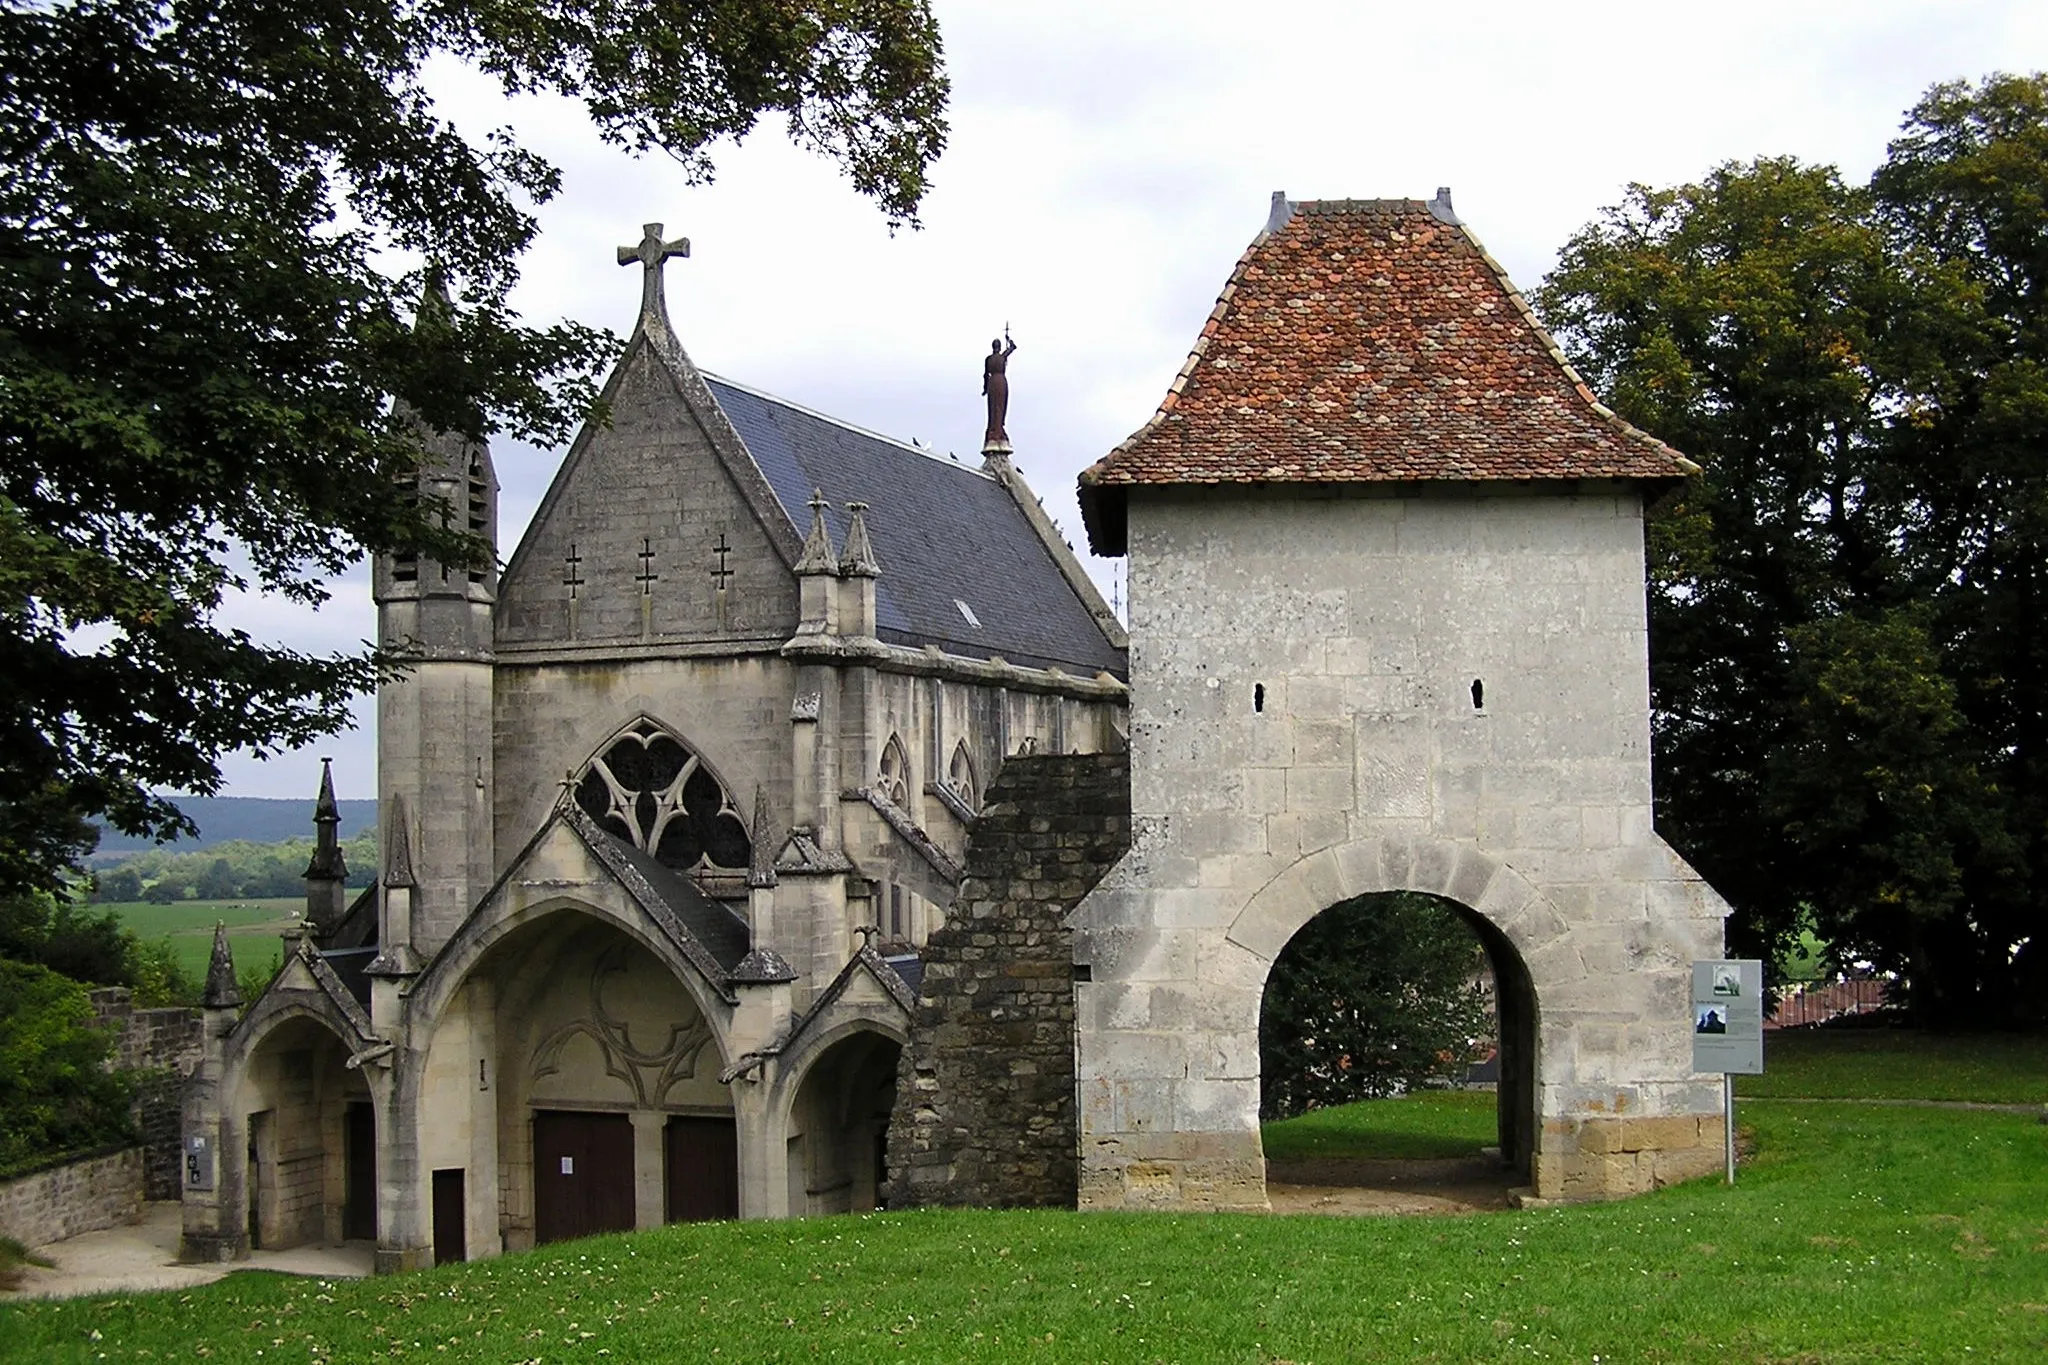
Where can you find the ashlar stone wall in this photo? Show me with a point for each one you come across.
(1337, 693)
(985, 1094)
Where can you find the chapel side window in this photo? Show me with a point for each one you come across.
(960, 777)
(650, 790)
(893, 781)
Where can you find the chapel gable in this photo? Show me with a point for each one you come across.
(649, 532)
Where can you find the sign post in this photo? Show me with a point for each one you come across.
(1728, 1030)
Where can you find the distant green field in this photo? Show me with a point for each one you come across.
(1883, 1063)
(253, 926)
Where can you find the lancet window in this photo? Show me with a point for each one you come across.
(893, 780)
(650, 790)
(960, 777)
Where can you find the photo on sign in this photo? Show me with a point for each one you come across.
(1711, 1020)
(1727, 981)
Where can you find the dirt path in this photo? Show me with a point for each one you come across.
(144, 1255)
(1382, 1188)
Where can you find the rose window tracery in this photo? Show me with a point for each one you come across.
(654, 793)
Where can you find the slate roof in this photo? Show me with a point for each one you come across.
(723, 933)
(1370, 341)
(942, 531)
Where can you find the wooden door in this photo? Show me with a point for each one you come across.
(451, 1213)
(582, 1174)
(701, 1160)
(359, 1173)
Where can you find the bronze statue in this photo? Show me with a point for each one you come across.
(995, 385)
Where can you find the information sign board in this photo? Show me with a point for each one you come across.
(1728, 1016)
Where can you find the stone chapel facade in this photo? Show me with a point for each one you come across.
(668, 808)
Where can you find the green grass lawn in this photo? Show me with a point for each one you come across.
(253, 926)
(1856, 1234)
(1437, 1123)
(1997, 1068)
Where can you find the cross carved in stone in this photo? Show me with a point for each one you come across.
(573, 579)
(722, 575)
(651, 254)
(647, 577)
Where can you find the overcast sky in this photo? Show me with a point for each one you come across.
(1108, 163)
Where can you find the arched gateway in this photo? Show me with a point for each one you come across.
(1387, 633)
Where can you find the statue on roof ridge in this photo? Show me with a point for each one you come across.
(995, 386)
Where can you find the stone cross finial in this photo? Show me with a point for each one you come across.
(652, 253)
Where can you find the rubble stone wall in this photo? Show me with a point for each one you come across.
(985, 1097)
(161, 1046)
(85, 1195)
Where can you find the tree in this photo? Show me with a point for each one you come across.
(56, 1096)
(118, 886)
(1373, 997)
(203, 340)
(39, 928)
(1837, 600)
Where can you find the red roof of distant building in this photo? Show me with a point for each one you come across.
(1370, 341)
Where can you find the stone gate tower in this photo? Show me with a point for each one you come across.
(1387, 632)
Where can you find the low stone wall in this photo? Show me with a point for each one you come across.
(985, 1098)
(160, 1046)
(85, 1195)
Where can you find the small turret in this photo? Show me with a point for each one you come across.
(396, 956)
(816, 569)
(434, 716)
(327, 873)
(858, 571)
(222, 990)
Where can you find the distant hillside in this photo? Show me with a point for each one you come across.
(258, 819)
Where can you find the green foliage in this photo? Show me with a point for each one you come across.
(254, 976)
(1844, 622)
(228, 871)
(1857, 1233)
(160, 975)
(1373, 997)
(55, 1094)
(54, 933)
(204, 336)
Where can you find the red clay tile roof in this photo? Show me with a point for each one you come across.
(1370, 341)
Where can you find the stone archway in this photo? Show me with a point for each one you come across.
(308, 1124)
(1506, 983)
(1510, 917)
(559, 1067)
(838, 1127)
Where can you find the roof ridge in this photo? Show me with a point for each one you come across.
(948, 459)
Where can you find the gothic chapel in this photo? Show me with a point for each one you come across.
(668, 806)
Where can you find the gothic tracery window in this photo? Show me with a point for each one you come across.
(893, 781)
(960, 777)
(651, 791)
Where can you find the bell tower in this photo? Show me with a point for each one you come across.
(434, 717)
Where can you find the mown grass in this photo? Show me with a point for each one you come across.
(1877, 1063)
(253, 926)
(1436, 1123)
(1856, 1234)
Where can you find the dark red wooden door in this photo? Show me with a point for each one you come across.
(582, 1174)
(359, 1179)
(702, 1164)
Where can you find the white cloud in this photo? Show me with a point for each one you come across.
(1109, 162)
